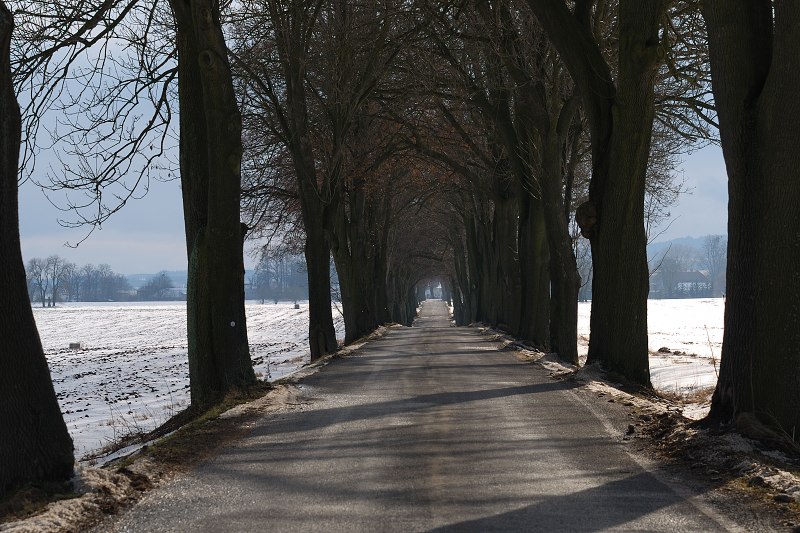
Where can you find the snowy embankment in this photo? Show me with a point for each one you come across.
(691, 330)
(132, 373)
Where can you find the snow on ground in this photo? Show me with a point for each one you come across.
(692, 330)
(132, 373)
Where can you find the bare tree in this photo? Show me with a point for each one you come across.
(620, 107)
(39, 280)
(58, 270)
(156, 287)
(210, 167)
(715, 251)
(115, 132)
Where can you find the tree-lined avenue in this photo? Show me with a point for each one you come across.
(428, 428)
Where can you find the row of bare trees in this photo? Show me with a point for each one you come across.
(518, 114)
(410, 141)
(54, 279)
(485, 135)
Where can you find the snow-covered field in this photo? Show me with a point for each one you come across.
(132, 373)
(692, 331)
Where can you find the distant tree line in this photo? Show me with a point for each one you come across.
(158, 288)
(278, 275)
(54, 279)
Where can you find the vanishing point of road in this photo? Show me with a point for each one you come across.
(429, 428)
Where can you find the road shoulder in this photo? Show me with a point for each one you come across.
(756, 482)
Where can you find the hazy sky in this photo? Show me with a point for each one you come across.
(147, 235)
(703, 210)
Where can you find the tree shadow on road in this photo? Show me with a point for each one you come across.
(312, 419)
(623, 504)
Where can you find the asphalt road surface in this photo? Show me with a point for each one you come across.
(429, 428)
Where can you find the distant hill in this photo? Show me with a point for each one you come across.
(658, 248)
(178, 278)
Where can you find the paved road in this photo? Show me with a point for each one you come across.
(427, 429)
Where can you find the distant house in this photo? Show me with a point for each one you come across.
(693, 284)
(173, 293)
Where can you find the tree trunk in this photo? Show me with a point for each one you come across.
(533, 259)
(34, 443)
(505, 263)
(621, 278)
(360, 264)
(403, 297)
(564, 278)
(620, 115)
(460, 282)
(477, 277)
(486, 275)
(358, 303)
(755, 66)
(210, 159)
(318, 197)
(321, 333)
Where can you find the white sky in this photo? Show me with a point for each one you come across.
(147, 235)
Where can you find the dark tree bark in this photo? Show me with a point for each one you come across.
(34, 443)
(360, 254)
(403, 295)
(459, 281)
(210, 161)
(564, 278)
(321, 333)
(504, 265)
(533, 253)
(620, 113)
(755, 67)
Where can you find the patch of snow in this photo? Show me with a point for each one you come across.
(738, 443)
(132, 373)
(693, 327)
(696, 411)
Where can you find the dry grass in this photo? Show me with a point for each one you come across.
(31, 499)
(695, 396)
(192, 438)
